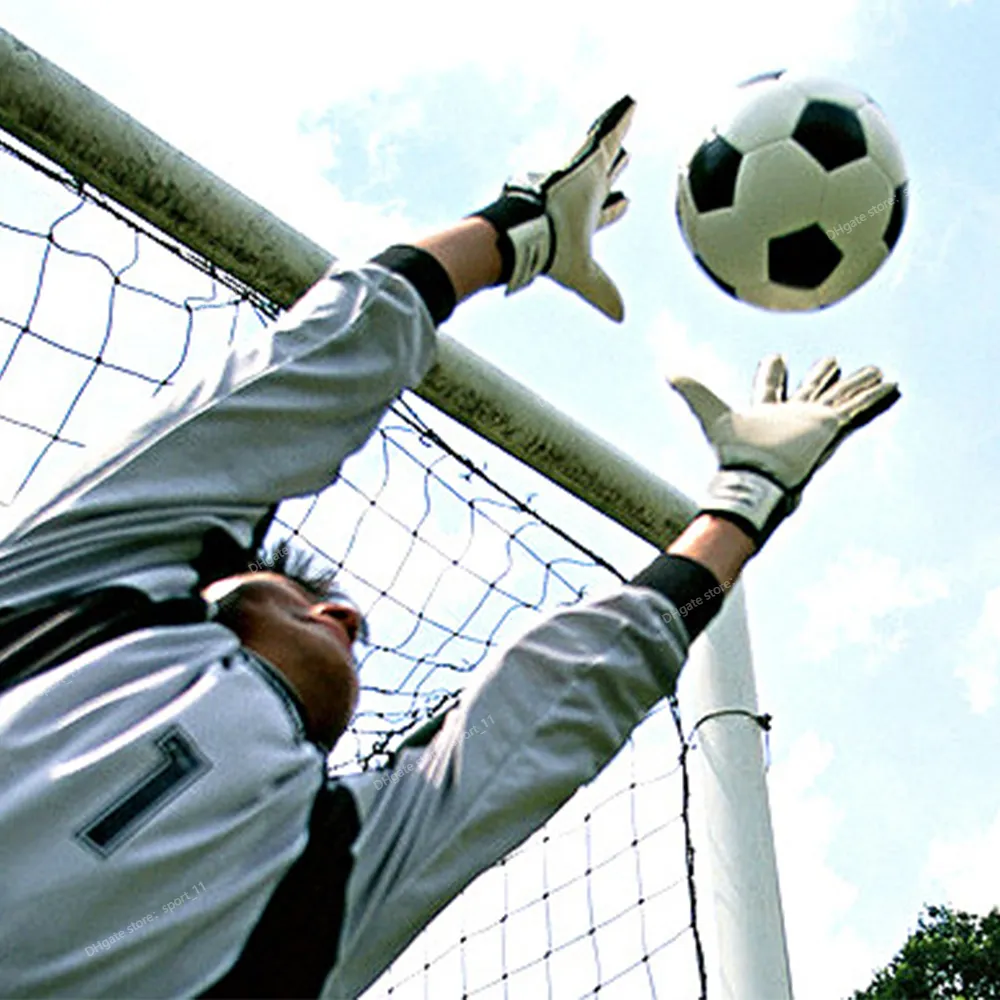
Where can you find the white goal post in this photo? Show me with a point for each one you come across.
(57, 116)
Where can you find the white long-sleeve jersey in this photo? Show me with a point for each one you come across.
(161, 809)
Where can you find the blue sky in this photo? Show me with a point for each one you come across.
(875, 611)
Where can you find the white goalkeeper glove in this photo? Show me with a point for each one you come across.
(546, 221)
(769, 452)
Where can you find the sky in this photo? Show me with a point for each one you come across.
(875, 611)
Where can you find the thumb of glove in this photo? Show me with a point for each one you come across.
(704, 404)
(600, 291)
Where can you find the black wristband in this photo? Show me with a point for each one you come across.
(505, 213)
(426, 274)
(689, 586)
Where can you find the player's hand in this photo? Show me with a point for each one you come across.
(769, 452)
(546, 221)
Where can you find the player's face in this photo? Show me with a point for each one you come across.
(310, 641)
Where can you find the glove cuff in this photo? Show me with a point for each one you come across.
(751, 500)
(525, 238)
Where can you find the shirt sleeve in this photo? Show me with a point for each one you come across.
(275, 419)
(540, 721)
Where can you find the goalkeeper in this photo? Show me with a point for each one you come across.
(168, 695)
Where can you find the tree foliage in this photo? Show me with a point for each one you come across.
(950, 956)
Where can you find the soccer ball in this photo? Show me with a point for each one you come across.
(798, 197)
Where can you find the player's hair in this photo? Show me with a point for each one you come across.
(299, 566)
(286, 560)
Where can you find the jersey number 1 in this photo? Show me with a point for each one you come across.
(181, 764)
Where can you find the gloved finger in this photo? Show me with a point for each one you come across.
(817, 380)
(863, 410)
(614, 122)
(770, 382)
(610, 129)
(606, 133)
(620, 162)
(614, 207)
(868, 405)
(703, 403)
(839, 394)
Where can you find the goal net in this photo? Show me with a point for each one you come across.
(451, 546)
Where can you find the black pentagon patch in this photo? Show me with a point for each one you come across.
(712, 174)
(831, 134)
(802, 260)
(728, 289)
(896, 218)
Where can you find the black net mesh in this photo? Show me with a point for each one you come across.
(447, 555)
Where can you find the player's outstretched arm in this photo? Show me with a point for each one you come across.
(468, 254)
(217, 454)
(548, 713)
(721, 546)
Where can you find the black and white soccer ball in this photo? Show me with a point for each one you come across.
(798, 197)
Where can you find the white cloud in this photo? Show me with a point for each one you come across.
(979, 669)
(858, 602)
(272, 76)
(962, 870)
(677, 352)
(828, 957)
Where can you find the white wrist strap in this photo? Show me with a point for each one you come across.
(745, 494)
(532, 242)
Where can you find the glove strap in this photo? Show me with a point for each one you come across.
(532, 242)
(525, 238)
(754, 502)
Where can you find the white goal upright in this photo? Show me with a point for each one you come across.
(659, 879)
